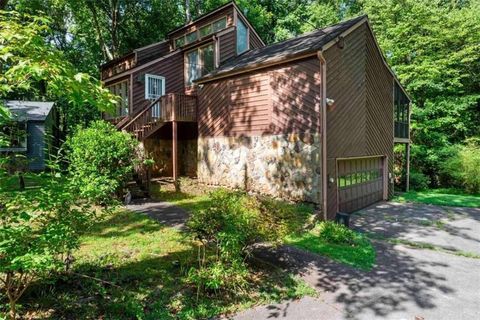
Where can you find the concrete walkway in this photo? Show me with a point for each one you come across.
(164, 212)
(406, 283)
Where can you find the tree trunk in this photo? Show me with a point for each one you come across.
(13, 310)
(107, 55)
(21, 181)
(188, 15)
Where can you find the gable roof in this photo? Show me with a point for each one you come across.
(304, 44)
(30, 110)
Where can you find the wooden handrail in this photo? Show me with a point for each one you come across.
(170, 107)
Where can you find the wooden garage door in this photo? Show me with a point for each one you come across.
(360, 183)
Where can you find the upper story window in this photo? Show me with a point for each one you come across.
(154, 87)
(202, 32)
(120, 89)
(401, 113)
(242, 37)
(199, 62)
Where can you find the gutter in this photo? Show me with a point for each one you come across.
(323, 107)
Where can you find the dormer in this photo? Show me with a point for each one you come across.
(213, 38)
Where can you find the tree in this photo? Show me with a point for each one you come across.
(31, 68)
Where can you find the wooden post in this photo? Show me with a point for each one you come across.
(407, 177)
(174, 150)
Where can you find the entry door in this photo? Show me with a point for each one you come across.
(360, 182)
(154, 89)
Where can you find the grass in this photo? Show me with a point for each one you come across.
(359, 253)
(362, 255)
(129, 266)
(441, 197)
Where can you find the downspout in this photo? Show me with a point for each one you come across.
(323, 110)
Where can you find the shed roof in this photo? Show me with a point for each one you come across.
(32, 110)
(303, 44)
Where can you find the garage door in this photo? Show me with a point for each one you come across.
(360, 183)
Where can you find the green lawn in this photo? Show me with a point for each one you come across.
(361, 255)
(441, 197)
(130, 266)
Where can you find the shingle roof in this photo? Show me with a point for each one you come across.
(303, 44)
(32, 110)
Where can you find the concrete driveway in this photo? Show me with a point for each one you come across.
(428, 267)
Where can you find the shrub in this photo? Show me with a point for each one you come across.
(101, 161)
(227, 229)
(463, 167)
(419, 181)
(336, 233)
(38, 231)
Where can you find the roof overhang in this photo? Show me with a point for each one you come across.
(303, 55)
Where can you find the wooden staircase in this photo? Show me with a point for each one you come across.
(172, 107)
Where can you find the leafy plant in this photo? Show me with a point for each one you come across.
(228, 228)
(336, 233)
(419, 181)
(38, 231)
(463, 167)
(101, 161)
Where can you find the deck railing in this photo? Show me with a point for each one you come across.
(170, 107)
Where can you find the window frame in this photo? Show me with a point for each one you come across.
(239, 19)
(200, 63)
(127, 100)
(149, 76)
(197, 31)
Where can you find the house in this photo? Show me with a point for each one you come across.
(28, 134)
(313, 118)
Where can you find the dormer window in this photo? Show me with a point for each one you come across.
(190, 37)
(242, 37)
(202, 32)
(220, 24)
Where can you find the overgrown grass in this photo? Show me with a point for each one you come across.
(441, 197)
(129, 266)
(358, 252)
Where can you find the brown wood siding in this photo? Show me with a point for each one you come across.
(228, 12)
(379, 82)
(296, 97)
(280, 99)
(360, 123)
(227, 45)
(152, 52)
(254, 42)
(213, 108)
(171, 69)
(238, 106)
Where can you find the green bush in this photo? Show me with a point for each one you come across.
(419, 181)
(38, 231)
(101, 161)
(463, 167)
(332, 232)
(227, 229)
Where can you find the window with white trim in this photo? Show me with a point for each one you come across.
(154, 86)
(120, 89)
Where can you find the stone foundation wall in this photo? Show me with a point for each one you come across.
(160, 150)
(285, 166)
